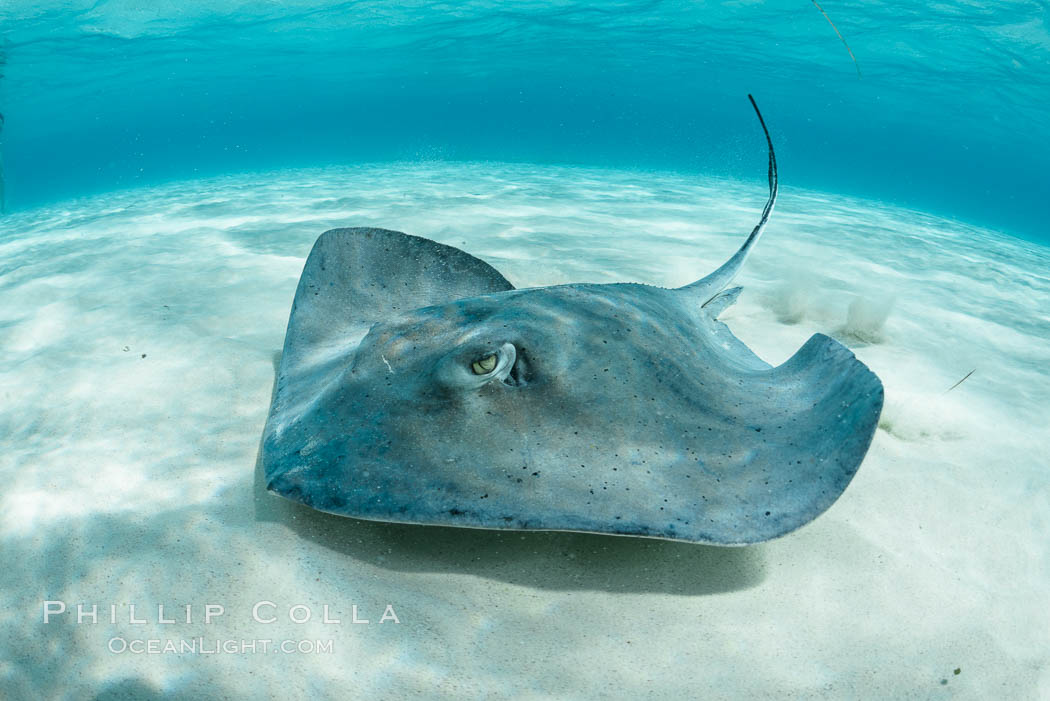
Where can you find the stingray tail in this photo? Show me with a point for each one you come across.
(707, 288)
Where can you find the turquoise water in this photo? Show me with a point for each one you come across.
(944, 111)
(170, 164)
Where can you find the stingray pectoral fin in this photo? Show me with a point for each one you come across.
(352, 279)
(817, 417)
(358, 276)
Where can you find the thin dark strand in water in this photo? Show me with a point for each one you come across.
(960, 381)
(855, 64)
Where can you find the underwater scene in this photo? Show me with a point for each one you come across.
(654, 350)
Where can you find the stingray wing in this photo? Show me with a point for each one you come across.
(796, 439)
(352, 279)
(355, 277)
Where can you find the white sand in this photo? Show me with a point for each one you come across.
(133, 480)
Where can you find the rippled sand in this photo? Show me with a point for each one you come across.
(138, 334)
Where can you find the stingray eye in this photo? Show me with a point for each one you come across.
(473, 368)
(485, 365)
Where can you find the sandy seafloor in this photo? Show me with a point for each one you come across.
(139, 330)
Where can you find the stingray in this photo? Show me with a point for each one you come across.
(417, 385)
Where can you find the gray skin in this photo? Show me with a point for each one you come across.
(418, 386)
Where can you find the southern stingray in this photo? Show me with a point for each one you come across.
(417, 385)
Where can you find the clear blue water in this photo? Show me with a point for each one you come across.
(949, 112)
(139, 328)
